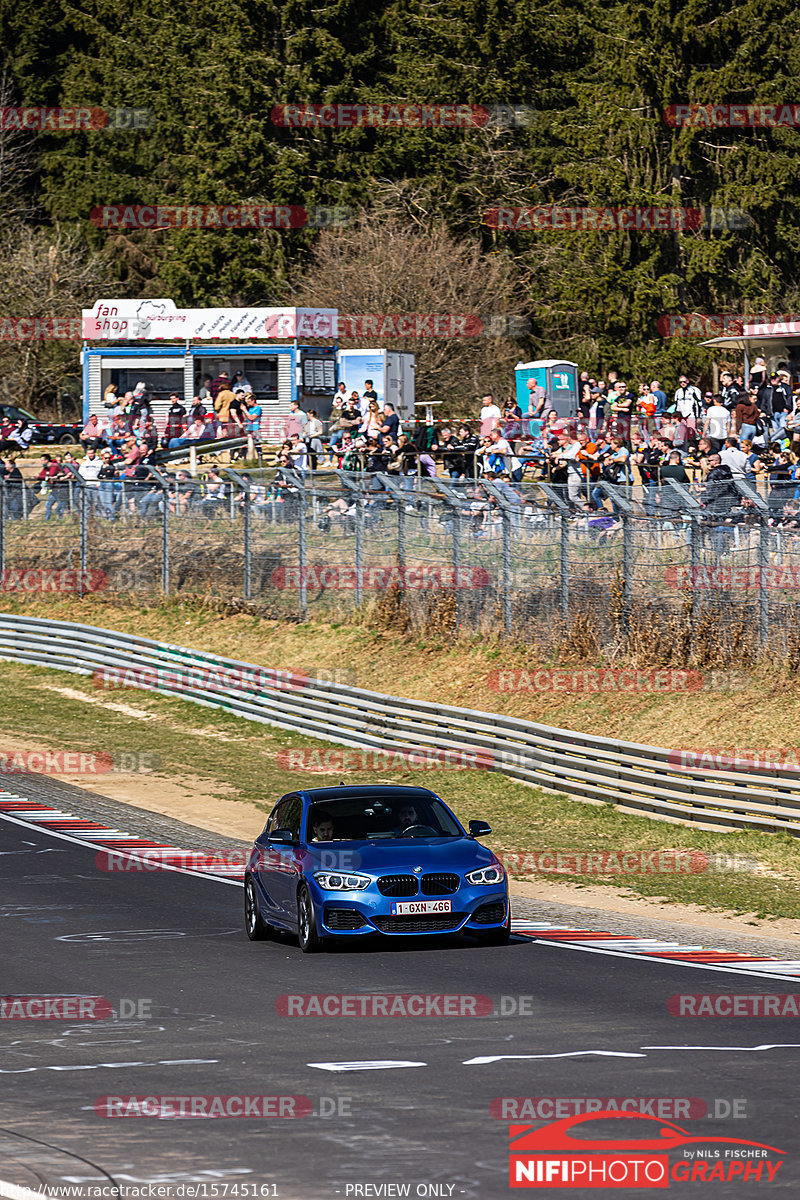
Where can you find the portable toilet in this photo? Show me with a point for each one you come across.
(558, 378)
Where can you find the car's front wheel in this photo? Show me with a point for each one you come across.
(255, 925)
(309, 939)
(67, 439)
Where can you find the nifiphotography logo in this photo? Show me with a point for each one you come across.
(586, 1151)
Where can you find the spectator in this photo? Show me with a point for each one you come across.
(91, 434)
(372, 422)
(688, 403)
(197, 410)
(467, 445)
(390, 429)
(254, 414)
(512, 422)
(214, 496)
(186, 493)
(490, 416)
(192, 436)
(369, 394)
(108, 490)
(176, 420)
(89, 471)
(19, 438)
(223, 399)
(314, 438)
(240, 383)
(220, 384)
(734, 458)
(14, 483)
(567, 467)
(730, 393)
(538, 402)
(660, 397)
(747, 416)
(716, 425)
(297, 421)
(673, 468)
(622, 409)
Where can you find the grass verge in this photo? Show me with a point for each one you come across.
(237, 760)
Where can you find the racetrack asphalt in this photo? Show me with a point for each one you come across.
(203, 1017)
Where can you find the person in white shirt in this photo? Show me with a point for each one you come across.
(717, 425)
(734, 458)
(490, 415)
(568, 453)
(89, 470)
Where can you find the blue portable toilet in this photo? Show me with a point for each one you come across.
(558, 378)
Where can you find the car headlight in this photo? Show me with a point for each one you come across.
(486, 875)
(335, 881)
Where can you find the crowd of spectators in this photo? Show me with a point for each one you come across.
(701, 440)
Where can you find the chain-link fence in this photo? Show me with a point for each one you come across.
(660, 566)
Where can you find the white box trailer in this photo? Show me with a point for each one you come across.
(391, 372)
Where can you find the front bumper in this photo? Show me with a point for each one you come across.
(359, 914)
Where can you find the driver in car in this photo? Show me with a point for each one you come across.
(322, 825)
(406, 817)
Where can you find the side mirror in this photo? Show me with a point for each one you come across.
(282, 835)
(479, 829)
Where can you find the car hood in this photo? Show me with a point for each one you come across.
(399, 855)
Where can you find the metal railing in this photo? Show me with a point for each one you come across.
(636, 778)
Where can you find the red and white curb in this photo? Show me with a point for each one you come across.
(128, 846)
(623, 945)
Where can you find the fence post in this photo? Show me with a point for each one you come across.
(244, 483)
(627, 570)
(763, 586)
(562, 509)
(163, 482)
(302, 595)
(359, 549)
(758, 501)
(564, 563)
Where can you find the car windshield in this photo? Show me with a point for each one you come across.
(362, 818)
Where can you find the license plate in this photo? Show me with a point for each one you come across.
(406, 908)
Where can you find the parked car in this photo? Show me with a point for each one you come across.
(45, 433)
(348, 862)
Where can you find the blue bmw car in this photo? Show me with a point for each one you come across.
(353, 862)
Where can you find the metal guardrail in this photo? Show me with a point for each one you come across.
(636, 778)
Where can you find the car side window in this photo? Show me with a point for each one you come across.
(291, 816)
(275, 818)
